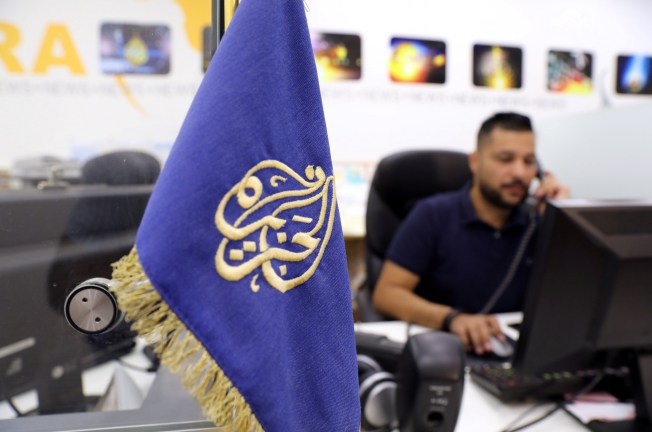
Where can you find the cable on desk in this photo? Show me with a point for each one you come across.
(14, 408)
(407, 331)
(537, 420)
(523, 415)
(152, 368)
(559, 405)
(153, 358)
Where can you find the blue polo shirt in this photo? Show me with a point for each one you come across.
(461, 259)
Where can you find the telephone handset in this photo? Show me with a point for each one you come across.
(539, 174)
(532, 202)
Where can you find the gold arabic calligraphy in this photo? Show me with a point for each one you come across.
(258, 237)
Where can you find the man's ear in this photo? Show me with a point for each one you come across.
(473, 162)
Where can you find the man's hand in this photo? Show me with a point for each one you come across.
(476, 330)
(551, 188)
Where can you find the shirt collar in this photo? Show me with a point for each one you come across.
(519, 216)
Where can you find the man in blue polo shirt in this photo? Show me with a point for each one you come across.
(453, 251)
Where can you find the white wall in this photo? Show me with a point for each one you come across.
(373, 116)
(69, 115)
(62, 113)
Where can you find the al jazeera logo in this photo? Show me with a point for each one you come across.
(277, 223)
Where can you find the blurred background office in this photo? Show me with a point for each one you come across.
(80, 80)
(77, 81)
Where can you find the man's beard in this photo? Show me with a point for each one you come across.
(493, 195)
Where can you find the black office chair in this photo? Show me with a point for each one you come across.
(400, 180)
(129, 167)
(102, 215)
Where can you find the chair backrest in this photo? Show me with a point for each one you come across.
(127, 167)
(400, 180)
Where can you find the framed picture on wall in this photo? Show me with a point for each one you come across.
(570, 72)
(134, 49)
(497, 67)
(634, 75)
(338, 56)
(417, 61)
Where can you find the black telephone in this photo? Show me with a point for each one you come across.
(531, 201)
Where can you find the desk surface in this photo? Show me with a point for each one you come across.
(481, 411)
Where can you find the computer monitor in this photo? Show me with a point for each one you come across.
(589, 300)
(50, 241)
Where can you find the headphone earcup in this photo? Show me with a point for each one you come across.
(377, 396)
(366, 365)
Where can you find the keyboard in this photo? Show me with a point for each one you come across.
(508, 384)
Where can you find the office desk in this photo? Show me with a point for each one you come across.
(169, 407)
(481, 411)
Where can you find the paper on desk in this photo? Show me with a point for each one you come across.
(605, 411)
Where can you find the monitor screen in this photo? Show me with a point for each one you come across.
(589, 300)
(52, 240)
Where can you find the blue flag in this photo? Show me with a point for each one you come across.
(239, 272)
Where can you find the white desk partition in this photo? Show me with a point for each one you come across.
(602, 154)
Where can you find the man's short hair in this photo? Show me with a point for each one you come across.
(504, 120)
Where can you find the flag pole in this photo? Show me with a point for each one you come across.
(221, 15)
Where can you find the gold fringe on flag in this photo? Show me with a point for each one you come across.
(151, 317)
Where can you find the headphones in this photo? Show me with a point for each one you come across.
(424, 395)
(377, 396)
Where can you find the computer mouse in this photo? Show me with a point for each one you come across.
(500, 348)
